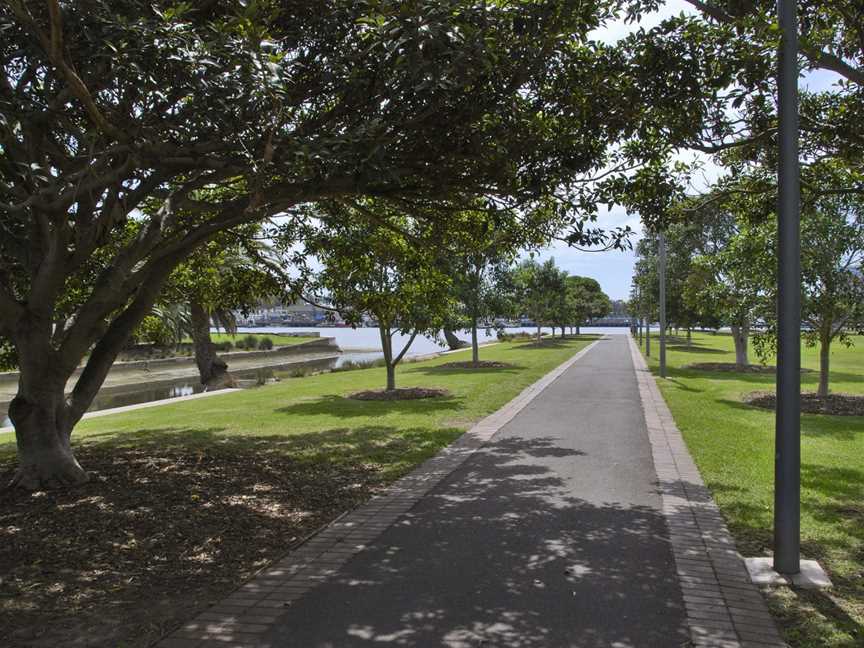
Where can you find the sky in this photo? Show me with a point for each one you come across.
(614, 269)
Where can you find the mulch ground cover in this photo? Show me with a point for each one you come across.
(834, 404)
(407, 393)
(157, 535)
(482, 364)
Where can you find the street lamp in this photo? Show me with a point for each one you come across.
(787, 458)
(661, 244)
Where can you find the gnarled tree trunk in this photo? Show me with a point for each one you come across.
(212, 369)
(452, 341)
(740, 335)
(43, 432)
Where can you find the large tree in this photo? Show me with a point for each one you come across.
(586, 301)
(131, 133)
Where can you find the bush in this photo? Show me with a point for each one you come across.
(223, 346)
(509, 337)
(265, 344)
(247, 342)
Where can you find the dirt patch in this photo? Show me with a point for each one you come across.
(733, 368)
(834, 404)
(482, 364)
(157, 535)
(407, 393)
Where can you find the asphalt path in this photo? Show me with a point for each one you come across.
(550, 535)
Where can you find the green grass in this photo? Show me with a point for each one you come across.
(733, 445)
(311, 419)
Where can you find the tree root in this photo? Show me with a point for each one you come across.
(37, 478)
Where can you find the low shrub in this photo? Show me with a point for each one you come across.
(508, 337)
(265, 344)
(247, 342)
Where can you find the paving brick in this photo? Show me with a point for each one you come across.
(724, 609)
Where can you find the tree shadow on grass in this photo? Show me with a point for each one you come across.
(343, 407)
(695, 348)
(684, 386)
(440, 370)
(174, 519)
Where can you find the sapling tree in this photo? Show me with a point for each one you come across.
(542, 292)
(483, 244)
(832, 253)
(387, 268)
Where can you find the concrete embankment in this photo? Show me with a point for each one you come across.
(152, 375)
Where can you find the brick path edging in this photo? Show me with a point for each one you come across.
(724, 609)
(243, 618)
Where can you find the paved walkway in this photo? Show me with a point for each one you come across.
(552, 534)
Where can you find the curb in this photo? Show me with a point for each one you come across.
(244, 617)
(724, 609)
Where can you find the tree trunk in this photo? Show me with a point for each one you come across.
(452, 341)
(387, 348)
(740, 335)
(211, 368)
(647, 340)
(475, 347)
(538, 334)
(563, 332)
(824, 365)
(553, 331)
(578, 327)
(43, 431)
(689, 337)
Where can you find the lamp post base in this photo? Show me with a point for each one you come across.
(811, 576)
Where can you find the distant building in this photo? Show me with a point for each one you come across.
(299, 313)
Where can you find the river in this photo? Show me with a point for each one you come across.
(367, 339)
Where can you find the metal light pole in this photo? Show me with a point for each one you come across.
(648, 337)
(787, 458)
(661, 244)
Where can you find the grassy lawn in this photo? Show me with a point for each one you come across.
(190, 499)
(733, 444)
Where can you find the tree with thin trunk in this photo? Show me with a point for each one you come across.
(832, 233)
(386, 268)
(479, 253)
(542, 292)
(832, 254)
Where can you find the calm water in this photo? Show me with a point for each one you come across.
(368, 338)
